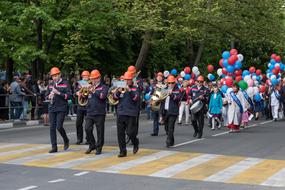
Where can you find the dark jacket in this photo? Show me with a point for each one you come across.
(97, 101)
(175, 99)
(59, 102)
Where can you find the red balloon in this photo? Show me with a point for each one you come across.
(238, 72)
(229, 82)
(238, 78)
(273, 56)
(221, 62)
(223, 81)
(258, 72)
(210, 68)
(231, 60)
(277, 67)
(275, 71)
(191, 82)
(278, 59)
(268, 82)
(262, 89)
(234, 52)
(252, 69)
(187, 70)
(224, 71)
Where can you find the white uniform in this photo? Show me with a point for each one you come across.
(275, 103)
(234, 114)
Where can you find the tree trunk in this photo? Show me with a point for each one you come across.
(40, 64)
(9, 69)
(232, 44)
(144, 51)
(190, 50)
(199, 54)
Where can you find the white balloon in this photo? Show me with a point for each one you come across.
(261, 77)
(209, 76)
(166, 74)
(250, 91)
(273, 77)
(195, 69)
(254, 77)
(246, 78)
(240, 57)
(229, 90)
(277, 64)
(255, 90)
(269, 64)
(220, 72)
(256, 83)
(198, 73)
(267, 75)
(182, 74)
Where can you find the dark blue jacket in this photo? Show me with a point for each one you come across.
(59, 102)
(128, 102)
(175, 99)
(97, 101)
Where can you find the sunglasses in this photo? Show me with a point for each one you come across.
(171, 83)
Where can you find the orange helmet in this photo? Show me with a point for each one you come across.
(85, 74)
(128, 76)
(200, 78)
(95, 74)
(132, 69)
(170, 79)
(159, 74)
(54, 71)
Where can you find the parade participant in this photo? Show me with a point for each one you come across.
(215, 107)
(236, 108)
(96, 112)
(184, 104)
(198, 93)
(81, 109)
(275, 102)
(248, 109)
(127, 112)
(171, 109)
(58, 93)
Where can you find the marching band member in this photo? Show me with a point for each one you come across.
(81, 110)
(199, 92)
(236, 108)
(96, 112)
(127, 112)
(58, 93)
(275, 102)
(171, 108)
(184, 104)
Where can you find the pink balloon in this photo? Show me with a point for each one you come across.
(250, 83)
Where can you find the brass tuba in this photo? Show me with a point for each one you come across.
(83, 99)
(156, 99)
(110, 97)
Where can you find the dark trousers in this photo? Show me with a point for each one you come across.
(155, 116)
(16, 110)
(169, 124)
(99, 121)
(79, 124)
(197, 120)
(127, 124)
(56, 123)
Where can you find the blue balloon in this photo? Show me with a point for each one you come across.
(223, 75)
(282, 67)
(187, 77)
(238, 65)
(274, 82)
(212, 77)
(230, 69)
(224, 89)
(271, 67)
(257, 97)
(147, 97)
(225, 63)
(245, 73)
(173, 72)
(258, 78)
(226, 55)
(272, 61)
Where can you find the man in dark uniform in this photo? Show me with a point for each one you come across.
(199, 92)
(96, 112)
(58, 93)
(127, 112)
(171, 109)
(81, 110)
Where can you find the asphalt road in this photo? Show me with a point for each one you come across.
(263, 140)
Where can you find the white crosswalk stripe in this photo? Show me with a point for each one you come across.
(23, 150)
(277, 180)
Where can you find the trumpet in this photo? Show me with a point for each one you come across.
(84, 93)
(114, 91)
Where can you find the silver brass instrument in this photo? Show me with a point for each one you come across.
(157, 97)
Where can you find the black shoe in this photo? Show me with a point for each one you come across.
(154, 134)
(135, 149)
(122, 154)
(98, 151)
(90, 149)
(195, 134)
(53, 150)
(78, 142)
(275, 120)
(199, 136)
(179, 123)
(66, 145)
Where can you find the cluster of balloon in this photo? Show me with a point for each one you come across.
(210, 69)
(275, 68)
(186, 73)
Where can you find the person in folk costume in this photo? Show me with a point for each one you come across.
(199, 92)
(248, 108)
(127, 112)
(236, 108)
(185, 102)
(215, 107)
(275, 102)
(96, 112)
(58, 93)
(159, 85)
(171, 109)
(267, 106)
(81, 110)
